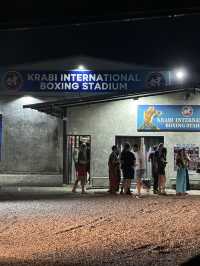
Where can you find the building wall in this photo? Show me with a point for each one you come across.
(31, 143)
(106, 120)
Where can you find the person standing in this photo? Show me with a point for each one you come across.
(139, 168)
(81, 168)
(154, 168)
(187, 160)
(114, 170)
(88, 164)
(161, 154)
(181, 174)
(75, 160)
(127, 159)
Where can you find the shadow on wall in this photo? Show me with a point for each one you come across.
(194, 261)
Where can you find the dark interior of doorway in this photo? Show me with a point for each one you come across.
(73, 145)
(145, 142)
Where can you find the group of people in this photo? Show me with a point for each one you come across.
(132, 166)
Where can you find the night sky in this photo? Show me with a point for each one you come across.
(164, 42)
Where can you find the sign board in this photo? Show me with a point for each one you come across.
(85, 81)
(168, 118)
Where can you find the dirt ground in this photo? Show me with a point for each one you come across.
(100, 229)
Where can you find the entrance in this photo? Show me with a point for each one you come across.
(73, 145)
(145, 142)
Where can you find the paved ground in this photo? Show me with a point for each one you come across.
(51, 226)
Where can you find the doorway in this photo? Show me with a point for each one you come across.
(73, 145)
(145, 142)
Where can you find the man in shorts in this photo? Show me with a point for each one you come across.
(127, 159)
(139, 169)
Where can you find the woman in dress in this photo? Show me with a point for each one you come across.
(114, 170)
(187, 159)
(181, 173)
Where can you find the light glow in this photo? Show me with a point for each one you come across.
(81, 67)
(180, 74)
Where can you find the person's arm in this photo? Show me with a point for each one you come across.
(188, 158)
(134, 160)
(178, 162)
(149, 157)
(122, 158)
(140, 163)
(74, 156)
(142, 159)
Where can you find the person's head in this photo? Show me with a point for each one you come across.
(160, 146)
(155, 147)
(180, 152)
(184, 151)
(114, 148)
(83, 147)
(136, 147)
(127, 146)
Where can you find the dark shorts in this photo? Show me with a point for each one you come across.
(128, 173)
(140, 173)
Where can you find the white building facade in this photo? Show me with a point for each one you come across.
(32, 142)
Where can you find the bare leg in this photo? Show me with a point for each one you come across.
(127, 186)
(159, 183)
(122, 186)
(83, 181)
(163, 184)
(139, 185)
(75, 185)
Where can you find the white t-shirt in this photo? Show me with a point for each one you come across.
(140, 165)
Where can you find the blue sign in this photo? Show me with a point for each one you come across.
(168, 118)
(86, 81)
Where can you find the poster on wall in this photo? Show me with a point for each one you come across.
(168, 118)
(193, 151)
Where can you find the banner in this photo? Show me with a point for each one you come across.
(168, 118)
(85, 81)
